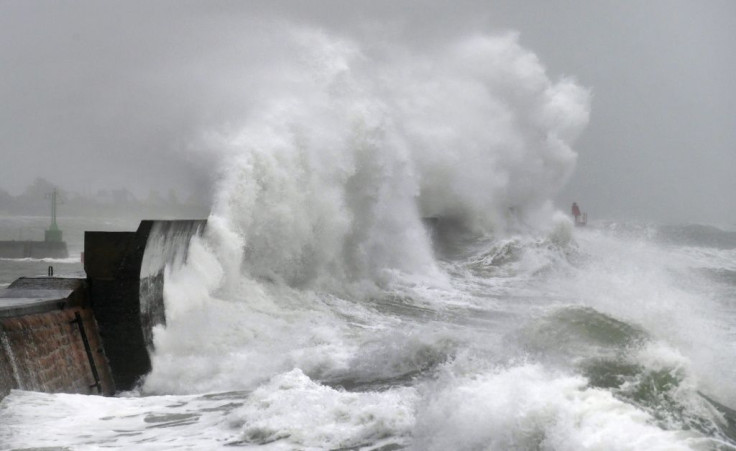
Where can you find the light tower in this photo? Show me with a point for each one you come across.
(53, 233)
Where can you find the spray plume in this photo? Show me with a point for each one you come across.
(343, 154)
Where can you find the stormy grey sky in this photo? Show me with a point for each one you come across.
(111, 94)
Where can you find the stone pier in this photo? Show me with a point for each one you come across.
(49, 340)
(92, 335)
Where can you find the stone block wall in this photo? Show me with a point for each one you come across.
(46, 352)
(119, 303)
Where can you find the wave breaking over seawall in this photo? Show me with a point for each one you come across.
(326, 180)
(330, 173)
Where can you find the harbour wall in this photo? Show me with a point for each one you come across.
(49, 340)
(92, 335)
(33, 249)
(126, 272)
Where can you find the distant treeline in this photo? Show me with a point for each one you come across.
(112, 203)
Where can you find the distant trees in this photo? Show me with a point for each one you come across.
(39, 189)
(6, 201)
(115, 196)
(33, 200)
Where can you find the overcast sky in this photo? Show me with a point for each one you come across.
(118, 94)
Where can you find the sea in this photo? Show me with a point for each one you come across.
(611, 336)
(384, 267)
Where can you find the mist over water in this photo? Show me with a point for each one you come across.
(383, 268)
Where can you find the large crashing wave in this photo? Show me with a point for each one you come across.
(338, 156)
(336, 164)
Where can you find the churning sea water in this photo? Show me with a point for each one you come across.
(383, 269)
(610, 337)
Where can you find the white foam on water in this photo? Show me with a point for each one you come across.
(214, 344)
(287, 412)
(307, 415)
(237, 343)
(711, 258)
(531, 407)
(80, 422)
(653, 286)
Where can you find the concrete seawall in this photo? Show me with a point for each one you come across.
(125, 271)
(49, 340)
(33, 249)
(92, 335)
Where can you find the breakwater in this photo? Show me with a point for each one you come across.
(33, 249)
(48, 338)
(92, 335)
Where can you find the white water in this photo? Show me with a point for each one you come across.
(329, 178)
(490, 362)
(320, 312)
